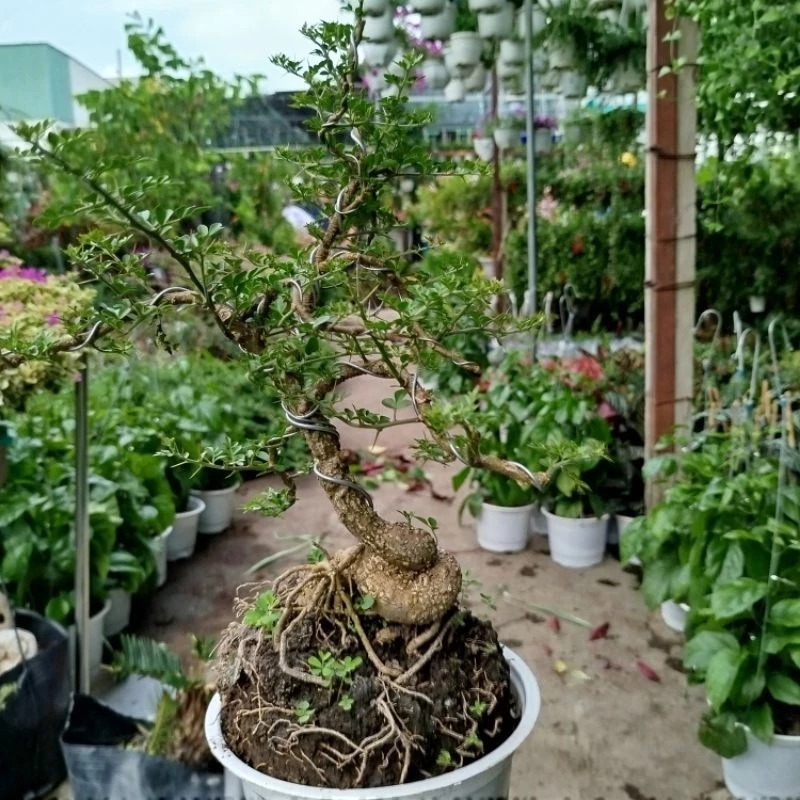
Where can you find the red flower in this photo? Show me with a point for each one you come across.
(577, 246)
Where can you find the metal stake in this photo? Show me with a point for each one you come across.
(531, 148)
(82, 534)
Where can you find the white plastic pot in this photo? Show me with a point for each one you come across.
(506, 138)
(485, 5)
(542, 140)
(428, 6)
(488, 777)
(622, 523)
(476, 80)
(572, 84)
(487, 262)
(434, 72)
(549, 80)
(380, 28)
(538, 521)
(183, 538)
(561, 57)
(455, 91)
(218, 512)
(674, 615)
(159, 548)
(512, 52)
(507, 71)
(375, 8)
(465, 50)
(503, 530)
(765, 770)
(539, 21)
(96, 637)
(576, 543)
(497, 24)
(540, 62)
(438, 26)
(758, 304)
(119, 612)
(377, 54)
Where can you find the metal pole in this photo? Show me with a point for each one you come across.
(531, 148)
(82, 562)
(497, 195)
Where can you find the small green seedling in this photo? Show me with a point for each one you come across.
(364, 603)
(315, 555)
(473, 741)
(323, 665)
(265, 613)
(343, 668)
(345, 702)
(444, 759)
(478, 709)
(303, 712)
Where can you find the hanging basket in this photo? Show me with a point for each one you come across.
(427, 6)
(540, 62)
(465, 52)
(480, 6)
(561, 56)
(455, 91)
(379, 29)
(375, 8)
(484, 148)
(434, 73)
(549, 80)
(512, 52)
(506, 138)
(506, 71)
(440, 25)
(572, 84)
(476, 80)
(539, 20)
(377, 54)
(609, 10)
(497, 24)
(542, 141)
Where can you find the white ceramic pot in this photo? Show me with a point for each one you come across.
(455, 91)
(758, 304)
(96, 637)
(183, 538)
(539, 21)
(218, 512)
(119, 612)
(542, 140)
(674, 615)
(561, 57)
(506, 138)
(512, 52)
(374, 8)
(428, 6)
(377, 54)
(497, 24)
(507, 71)
(485, 5)
(465, 51)
(572, 84)
(434, 72)
(576, 543)
(538, 522)
(380, 28)
(438, 26)
(476, 80)
(765, 771)
(488, 777)
(503, 530)
(159, 548)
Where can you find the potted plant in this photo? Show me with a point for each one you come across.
(483, 143)
(543, 128)
(217, 490)
(439, 25)
(497, 23)
(508, 130)
(512, 52)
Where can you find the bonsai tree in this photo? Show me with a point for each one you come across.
(365, 648)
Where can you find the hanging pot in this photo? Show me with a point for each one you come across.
(505, 71)
(765, 770)
(542, 140)
(540, 62)
(627, 79)
(377, 54)
(539, 20)
(425, 7)
(488, 777)
(497, 24)
(440, 25)
(484, 148)
(549, 80)
(375, 8)
(561, 56)
(379, 29)
(572, 84)
(465, 52)
(608, 10)
(478, 6)
(576, 543)
(476, 80)
(758, 304)
(506, 138)
(512, 52)
(434, 72)
(455, 91)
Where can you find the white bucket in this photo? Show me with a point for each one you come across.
(577, 543)
(503, 530)
(538, 521)
(159, 548)
(119, 612)
(183, 538)
(674, 615)
(765, 770)
(487, 778)
(96, 639)
(218, 512)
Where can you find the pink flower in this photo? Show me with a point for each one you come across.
(53, 319)
(605, 411)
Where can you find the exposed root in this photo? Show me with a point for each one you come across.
(421, 662)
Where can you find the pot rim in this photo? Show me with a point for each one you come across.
(550, 515)
(163, 536)
(196, 508)
(508, 509)
(531, 704)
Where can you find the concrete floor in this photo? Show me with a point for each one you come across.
(605, 730)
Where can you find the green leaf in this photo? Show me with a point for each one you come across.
(732, 565)
(460, 477)
(794, 654)
(759, 720)
(721, 675)
(720, 733)
(565, 483)
(657, 580)
(700, 649)
(786, 613)
(738, 597)
(784, 689)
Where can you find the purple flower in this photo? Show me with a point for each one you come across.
(53, 319)
(25, 273)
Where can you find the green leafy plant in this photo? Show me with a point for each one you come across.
(265, 613)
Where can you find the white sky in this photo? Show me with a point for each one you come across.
(234, 36)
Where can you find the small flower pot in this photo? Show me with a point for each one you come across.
(376, 54)
(96, 638)
(497, 24)
(488, 777)
(561, 57)
(465, 50)
(539, 22)
(512, 52)
(218, 512)
(542, 140)
(758, 304)
(159, 548)
(577, 543)
(119, 612)
(476, 80)
(380, 28)
(506, 138)
(428, 6)
(622, 523)
(183, 538)
(765, 770)
(538, 522)
(487, 262)
(572, 84)
(455, 91)
(503, 530)
(507, 71)
(628, 79)
(440, 25)
(375, 8)
(484, 148)
(478, 6)
(674, 615)
(549, 80)
(434, 72)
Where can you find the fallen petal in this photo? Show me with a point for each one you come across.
(648, 672)
(554, 624)
(600, 632)
(560, 667)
